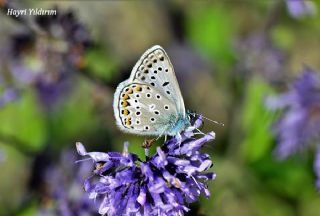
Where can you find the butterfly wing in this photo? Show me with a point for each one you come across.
(142, 109)
(155, 69)
(150, 101)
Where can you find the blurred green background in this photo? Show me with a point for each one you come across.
(228, 56)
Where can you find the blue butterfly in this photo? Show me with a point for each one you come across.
(150, 101)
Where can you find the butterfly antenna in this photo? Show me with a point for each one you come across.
(216, 122)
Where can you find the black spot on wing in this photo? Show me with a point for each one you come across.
(165, 83)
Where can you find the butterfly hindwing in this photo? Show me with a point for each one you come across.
(155, 69)
(150, 101)
(142, 109)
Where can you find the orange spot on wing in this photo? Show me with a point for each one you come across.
(125, 96)
(130, 91)
(125, 103)
(128, 121)
(138, 88)
(126, 112)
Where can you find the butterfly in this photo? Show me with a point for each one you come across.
(150, 101)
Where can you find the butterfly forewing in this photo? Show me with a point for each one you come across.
(143, 109)
(155, 69)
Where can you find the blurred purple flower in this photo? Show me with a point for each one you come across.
(258, 56)
(301, 8)
(189, 65)
(8, 96)
(300, 122)
(62, 192)
(164, 184)
(7, 92)
(48, 57)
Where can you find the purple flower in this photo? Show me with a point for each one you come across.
(300, 122)
(189, 65)
(9, 95)
(258, 56)
(61, 192)
(48, 58)
(164, 184)
(301, 8)
(299, 125)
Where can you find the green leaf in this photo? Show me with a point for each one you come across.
(77, 117)
(256, 122)
(24, 121)
(211, 30)
(29, 211)
(100, 63)
(286, 177)
(15, 174)
(283, 37)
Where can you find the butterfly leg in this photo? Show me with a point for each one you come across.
(200, 132)
(179, 138)
(148, 143)
(146, 153)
